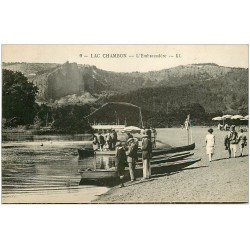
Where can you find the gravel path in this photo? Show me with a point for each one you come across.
(223, 180)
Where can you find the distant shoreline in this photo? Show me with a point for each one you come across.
(39, 132)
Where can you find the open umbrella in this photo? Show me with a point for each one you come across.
(237, 117)
(132, 129)
(218, 118)
(226, 116)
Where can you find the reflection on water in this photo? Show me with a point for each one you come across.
(97, 162)
(44, 165)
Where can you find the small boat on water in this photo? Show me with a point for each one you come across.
(158, 166)
(86, 152)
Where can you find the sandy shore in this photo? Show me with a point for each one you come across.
(79, 195)
(223, 180)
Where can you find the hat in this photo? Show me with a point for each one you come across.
(118, 144)
(130, 139)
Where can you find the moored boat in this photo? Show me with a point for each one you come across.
(109, 177)
(86, 152)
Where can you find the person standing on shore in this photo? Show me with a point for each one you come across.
(210, 143)
(220, 126)
(95, 143)
(146, 156)
(129, 135)
(227, 145)
(113, 139)
(132, 157)
(242, 141)
(121, 162)
(149, 134)
(143, 131)
(101, 141)
(233, 139)
(226, 127)
(154, 134)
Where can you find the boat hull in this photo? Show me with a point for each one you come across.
(83, 153)
(110, 177)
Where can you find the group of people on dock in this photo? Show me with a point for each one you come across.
(231, 142)
(127, 151)
(127, 155)
(105, 141)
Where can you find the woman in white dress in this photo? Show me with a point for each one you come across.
(210, 142)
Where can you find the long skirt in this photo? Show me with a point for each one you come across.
(210, 150)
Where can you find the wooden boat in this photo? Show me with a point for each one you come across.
(155, 160)
(110, 177)
(170, 158)
(86, 152)
(162, 151)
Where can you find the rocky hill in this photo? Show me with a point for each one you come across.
(60, 83)
(212, 86)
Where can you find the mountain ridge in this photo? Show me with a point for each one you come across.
(72, 83)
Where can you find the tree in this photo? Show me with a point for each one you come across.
(18, 98)
(70, 119)
(45, 114)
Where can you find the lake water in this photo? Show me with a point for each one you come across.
(44, 169)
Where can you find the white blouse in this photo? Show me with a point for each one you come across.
(210, 139)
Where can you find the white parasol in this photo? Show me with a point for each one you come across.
(226, 117)
(218, 118)
(237, 117)
(132, 129)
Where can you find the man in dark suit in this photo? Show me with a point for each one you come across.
(121, 161)
(146, 156)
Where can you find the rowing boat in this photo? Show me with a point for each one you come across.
(110, 177)
(86, 152)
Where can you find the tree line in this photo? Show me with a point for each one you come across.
(163, 106)
(19, 107)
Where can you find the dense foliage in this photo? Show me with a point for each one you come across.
(70, 119)
(169, 105)
(20, 108)
(19, 105)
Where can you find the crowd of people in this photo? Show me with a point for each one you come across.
(225, 127)
(232, 141)
(105, 141)
(127, 152)
(127, 155)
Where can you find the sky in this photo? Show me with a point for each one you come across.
(131, 58)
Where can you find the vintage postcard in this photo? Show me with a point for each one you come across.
(125, 124)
